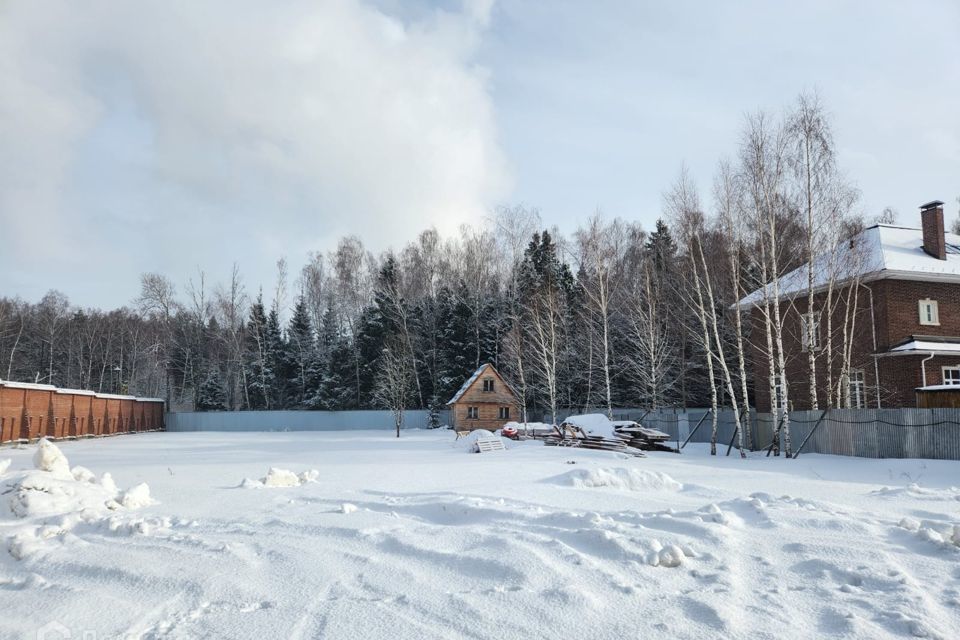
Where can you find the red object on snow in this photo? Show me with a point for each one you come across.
(509, 432)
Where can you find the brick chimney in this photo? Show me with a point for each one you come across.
(931, 217)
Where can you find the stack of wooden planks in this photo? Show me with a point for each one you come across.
(570, 436)
(641, 437)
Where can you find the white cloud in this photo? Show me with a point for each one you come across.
(228, 129)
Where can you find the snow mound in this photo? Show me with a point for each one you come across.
(593, 424)
(48, 502)
(48, 457)
(279, 478)
(469, 442)
(619, 478)
(82, 474)
(943, 534)
(531, 427)
(913, 490)
(137, 497)
(4, 465)
(346, 507)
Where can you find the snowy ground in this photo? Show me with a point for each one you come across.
(414, 538)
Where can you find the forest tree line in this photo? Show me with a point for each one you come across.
(611, 315)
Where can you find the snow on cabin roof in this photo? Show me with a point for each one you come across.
(466, 385)
(939, 387)
(880, 251)
(476, 374)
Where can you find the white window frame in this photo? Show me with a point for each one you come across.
(857, 388)
(804, 319)
(929, 312)
(781, 388)
(955, 370)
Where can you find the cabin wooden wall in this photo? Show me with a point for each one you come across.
(488, 404)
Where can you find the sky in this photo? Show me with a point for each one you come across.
(180, 137)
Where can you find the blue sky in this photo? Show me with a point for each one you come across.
(175, 137)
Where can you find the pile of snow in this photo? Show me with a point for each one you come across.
(593, 424)
(49, 458)
(469, 442)
(532, 428)
(620, 478)
(50, 500)
(281, 478)
(940, 533)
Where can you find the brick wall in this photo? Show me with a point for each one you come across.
(895, 315)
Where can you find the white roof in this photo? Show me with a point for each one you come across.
(466, 385)
(925, 346)
(880, 251)
(940, 387)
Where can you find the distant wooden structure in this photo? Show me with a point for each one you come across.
(30, 411)
(940, 396)
(485, 401)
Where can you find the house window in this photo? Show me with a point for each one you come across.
(504, 413)
(780, 393)
(951, 375)
(473, 413)
(488, 384)
(929, 314)
(858, 389)
(810, 336)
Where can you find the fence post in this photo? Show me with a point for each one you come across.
(736, 430)
(704, 417)
(810, 435)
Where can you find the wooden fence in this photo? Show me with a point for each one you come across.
(31, 411)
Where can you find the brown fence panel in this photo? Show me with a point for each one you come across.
(11, 413)
(62, 413)
(127, 410)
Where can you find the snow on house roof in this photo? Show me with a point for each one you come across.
(476, 374)
(880, 251)
(939, 387)
(925, 346)
(466, 385)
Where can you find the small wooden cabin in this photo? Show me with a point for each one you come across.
(485, 401)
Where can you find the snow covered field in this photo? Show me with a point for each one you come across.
(415, 538)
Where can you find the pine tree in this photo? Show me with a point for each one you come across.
(300, 354)
(257, 362)
(211, 395)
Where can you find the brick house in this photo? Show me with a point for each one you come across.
(485, 401)
(896, 292)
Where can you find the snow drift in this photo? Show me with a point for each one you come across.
(50, 500)
(619, 478)
(277, 478)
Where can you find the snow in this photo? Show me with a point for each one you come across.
(469, 442)
(409, 538)
(281, 478)
(926, 345)
(48, 457)
(594, 424)
(620, 478)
